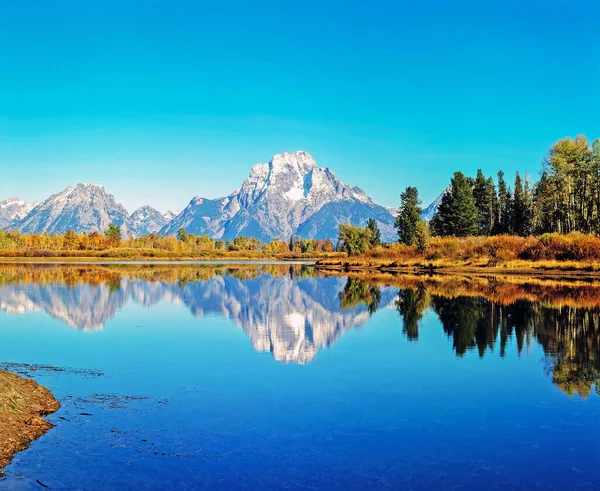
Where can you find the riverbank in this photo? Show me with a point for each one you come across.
(127, 254)
(504, 254)
(23, 403)
(538, 268)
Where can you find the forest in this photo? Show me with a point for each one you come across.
(565, 199)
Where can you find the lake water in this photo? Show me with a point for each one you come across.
(277, 377)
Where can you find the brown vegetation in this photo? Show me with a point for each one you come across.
(22, 404)
(574, 251)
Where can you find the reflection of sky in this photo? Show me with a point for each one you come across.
(372, 411)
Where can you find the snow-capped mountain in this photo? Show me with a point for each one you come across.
(12, 210)
(83, 208)
(431, 210)
(289, 195)
(146, 220)
(169, 215)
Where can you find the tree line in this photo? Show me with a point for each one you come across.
(182, 242)
(565, 199)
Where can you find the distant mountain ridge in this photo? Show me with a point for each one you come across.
(13, 210)
(83, 208)
(287, 196)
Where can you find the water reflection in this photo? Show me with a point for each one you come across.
(294, 311)
(283, 310)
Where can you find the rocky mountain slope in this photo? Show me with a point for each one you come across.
(289, 195)
(147, 220)
(431, 210)
(83, 208)
(12, 211)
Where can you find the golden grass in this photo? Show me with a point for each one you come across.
(549, 252)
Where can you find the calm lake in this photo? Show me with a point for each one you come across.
(281, 377)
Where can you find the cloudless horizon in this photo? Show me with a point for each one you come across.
(164, 101)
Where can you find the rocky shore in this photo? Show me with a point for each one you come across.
(23, 405)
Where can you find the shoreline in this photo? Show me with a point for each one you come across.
(95, 261)
(578, 269)
(23, 405)
(583, 271)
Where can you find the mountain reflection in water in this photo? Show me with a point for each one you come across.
(294, 311)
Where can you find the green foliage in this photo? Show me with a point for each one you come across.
(484, 193)
(182, 235)
(409, 216)
(353, 240)
(358, 292)
(457, 214)
(503, 220)
(411, 305)
(522, 208)
(375, 233)
(422, 236)
(568, 196)
(113, 234)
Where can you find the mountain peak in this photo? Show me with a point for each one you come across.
(146, 220)
(289, 195)
(84, 207)
(12, 210)
(300, 161)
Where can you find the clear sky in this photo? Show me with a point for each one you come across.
(164, 100)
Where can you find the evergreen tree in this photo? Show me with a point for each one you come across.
(182, 235)
(484, 193)
(521, 208)
(457, 214)
(503, 220)
(375, 239)
(409, 215)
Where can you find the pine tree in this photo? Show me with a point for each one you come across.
(504, 221)
(484, 193)
(409, 215)
(521, 208)
(457, 214)
(375, 239)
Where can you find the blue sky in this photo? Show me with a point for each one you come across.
(161, 101)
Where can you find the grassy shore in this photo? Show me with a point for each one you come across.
(499, 254)
(23, 402)
(128, 254)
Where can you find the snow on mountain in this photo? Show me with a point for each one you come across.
(12, 210)
(429, 212)
(289, 195)
(83, 208)
(146, 220)
(169, 215)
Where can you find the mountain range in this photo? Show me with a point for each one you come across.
(287, 196)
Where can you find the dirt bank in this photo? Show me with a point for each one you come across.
(23, 403)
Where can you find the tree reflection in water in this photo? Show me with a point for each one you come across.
(295, 310)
